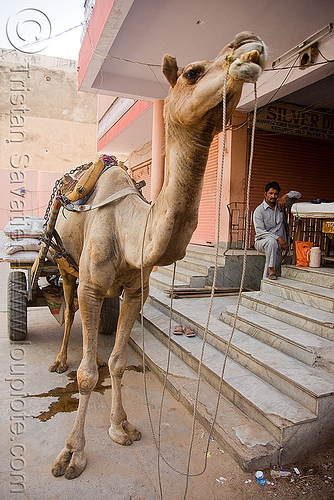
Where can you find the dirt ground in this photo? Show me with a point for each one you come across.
(113, 471)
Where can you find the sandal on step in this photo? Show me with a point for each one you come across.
(178, 330)
(272, 276)
(188, 332)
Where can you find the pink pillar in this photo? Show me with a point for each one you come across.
(234, 171)
(158, 145)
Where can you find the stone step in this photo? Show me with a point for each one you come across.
(295, 379)
(164, 282)
(205, 254)
(300, 344)
(248, 442)
(299, 315)
(262, 402)
(194, 265)
(304, 293)
(303, 383)
(323, 277)
(195, 280)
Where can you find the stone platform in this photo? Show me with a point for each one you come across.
(277, 394)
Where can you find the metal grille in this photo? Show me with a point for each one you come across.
(310, 229)
(237, 226)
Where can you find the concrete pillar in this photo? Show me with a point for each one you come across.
(158, 149)
(234, 171)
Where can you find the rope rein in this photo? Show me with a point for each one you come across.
(157, 439)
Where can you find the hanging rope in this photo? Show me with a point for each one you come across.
(247, 231)
(246, 241)
(220, 190)
(157, 440)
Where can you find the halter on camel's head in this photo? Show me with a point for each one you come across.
(197, 88)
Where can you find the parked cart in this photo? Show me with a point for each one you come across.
(27, 268)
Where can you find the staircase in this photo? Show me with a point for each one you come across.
(277, 397)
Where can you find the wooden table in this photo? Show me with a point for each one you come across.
(322, 211)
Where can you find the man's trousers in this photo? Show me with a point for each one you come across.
(272, 249)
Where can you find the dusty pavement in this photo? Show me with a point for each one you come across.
(33, 430)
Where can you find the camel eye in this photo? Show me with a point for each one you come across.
(191, 74)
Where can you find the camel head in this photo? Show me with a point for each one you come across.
(197, 89)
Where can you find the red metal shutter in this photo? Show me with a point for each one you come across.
(305, 165)
(206, 228)
(142, 172)
(295, 163)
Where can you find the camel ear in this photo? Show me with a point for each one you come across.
(169, 69)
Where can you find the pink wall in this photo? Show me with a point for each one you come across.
(24, 192)
(96, 24)
(234, 170)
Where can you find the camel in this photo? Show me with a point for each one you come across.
(107, 242)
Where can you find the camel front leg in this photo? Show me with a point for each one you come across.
(121, 431)
(72, 459)
(60, 365)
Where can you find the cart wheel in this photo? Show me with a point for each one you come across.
(17, 306)
(109, 316)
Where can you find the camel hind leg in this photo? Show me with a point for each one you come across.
(60, 365)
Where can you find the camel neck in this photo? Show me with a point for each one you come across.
(174, 215)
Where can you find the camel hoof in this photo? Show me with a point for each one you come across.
(119, 436)
(77, 465)
(124, 434)
(100, 362)
(70, 464)
(131, 431)
(58, 366)
(61, 463)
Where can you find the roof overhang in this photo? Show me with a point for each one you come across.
(126, 39)
(125, 42)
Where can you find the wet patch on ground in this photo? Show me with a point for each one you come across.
(66, 396)
(66, 399)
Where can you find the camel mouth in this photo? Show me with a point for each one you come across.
(252, 56)
(248, 48)
(248, 61)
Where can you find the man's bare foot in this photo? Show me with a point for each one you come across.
(272, 273)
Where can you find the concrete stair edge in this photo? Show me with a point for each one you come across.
(316, 276)
(191, 278)
(163, 282)
(205, 256)
(195, 265)
(260, 301)
(288, 289)
(288, 385)
(277, 425)
(304, 352)
(264, 450)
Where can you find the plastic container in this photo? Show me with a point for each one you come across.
(314, 257)
(278, 474)
(259, 476)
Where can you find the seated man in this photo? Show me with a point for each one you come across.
(270, 229)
